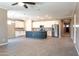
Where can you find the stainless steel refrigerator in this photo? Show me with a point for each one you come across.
(55, 30)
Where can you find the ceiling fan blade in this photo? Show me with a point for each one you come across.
(31, 3)
(25, 6)
(15, 3)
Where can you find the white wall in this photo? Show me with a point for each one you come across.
(28, 25)
(3, 26)
(77, 28)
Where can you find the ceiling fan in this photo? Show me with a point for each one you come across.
(24, 4)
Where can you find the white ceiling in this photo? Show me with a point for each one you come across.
(41, 9)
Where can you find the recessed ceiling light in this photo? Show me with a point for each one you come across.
(20, 4)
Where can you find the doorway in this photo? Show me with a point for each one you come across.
(65, 27)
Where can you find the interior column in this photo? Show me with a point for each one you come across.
(3, 27)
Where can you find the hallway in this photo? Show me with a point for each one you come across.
(34, 47)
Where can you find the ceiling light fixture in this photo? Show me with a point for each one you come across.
(20, 4)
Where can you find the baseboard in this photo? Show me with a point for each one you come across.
(77, 50)
(3, 44)
(16, 37)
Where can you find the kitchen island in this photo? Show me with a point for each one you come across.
(36, 34)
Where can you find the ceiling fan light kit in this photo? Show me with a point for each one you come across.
(24, 4)
(20, 4)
